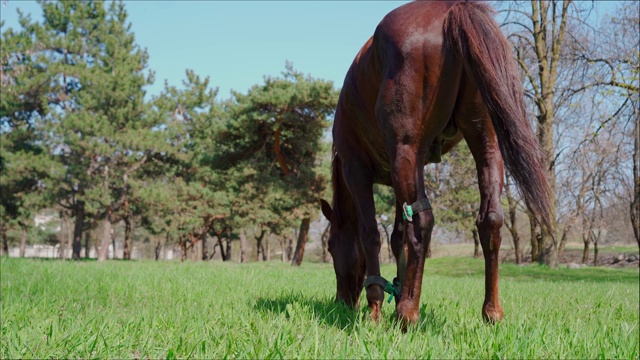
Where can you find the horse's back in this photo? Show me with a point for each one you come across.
(416, 24)
(411, 30)
(408, 39)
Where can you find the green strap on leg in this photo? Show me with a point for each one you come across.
(387, 286)
(409, 210)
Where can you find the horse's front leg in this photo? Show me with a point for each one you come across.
(397, 245)
(360, 185)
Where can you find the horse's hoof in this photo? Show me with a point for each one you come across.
(407, 316)
(375, 312)
(375, 297)
(492, 314)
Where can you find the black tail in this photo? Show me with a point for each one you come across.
(471, 31)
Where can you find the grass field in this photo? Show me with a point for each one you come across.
(56, 309)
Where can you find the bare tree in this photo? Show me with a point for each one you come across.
(619, 60)
(511, 223)
(550, 40)
(538, 37)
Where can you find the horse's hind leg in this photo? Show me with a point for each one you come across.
(475, 124)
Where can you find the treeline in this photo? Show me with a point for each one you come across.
(80, 138)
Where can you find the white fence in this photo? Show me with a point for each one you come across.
(53, 252)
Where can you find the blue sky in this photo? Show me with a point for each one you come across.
(237, 43)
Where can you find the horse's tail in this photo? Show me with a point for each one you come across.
(471, 31)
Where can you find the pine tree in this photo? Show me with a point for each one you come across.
(181, 197)
(25, 165)
(94, 112)
(275, 135)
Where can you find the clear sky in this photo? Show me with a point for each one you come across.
(237, 43)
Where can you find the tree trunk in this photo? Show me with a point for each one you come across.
(513, 229)
(96, 247)
(69, 250)
(183, 247)
(635, 204)
(227, 253)
(64, 235)
(595, 238)
(4, 249)
(585, 252)
(283, 246)
(302, 241)
(260, 246)
(534, 237)
(387, 238)
(267, 248)
(516, 246)
(205, 246)
(222, 252)
(78, 231)
(128, 246)
(87, 242)
(156, 250)
(476, 244)
(563, 240)
(289, 248)
(243, 241)
(113, 244)
(23, 241)
(513, 224)
(325, 245)
(547, 246)
(106, 236)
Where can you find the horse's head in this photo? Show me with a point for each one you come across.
(344, 249)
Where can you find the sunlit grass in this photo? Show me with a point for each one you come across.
(54, 309)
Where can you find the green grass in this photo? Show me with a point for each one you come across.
(56, 309)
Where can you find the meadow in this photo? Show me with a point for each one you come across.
(145, 309)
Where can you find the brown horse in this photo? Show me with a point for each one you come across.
(432, 74)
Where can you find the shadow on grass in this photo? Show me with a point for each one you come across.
(327, 311)
(341, 316)
(431, 321)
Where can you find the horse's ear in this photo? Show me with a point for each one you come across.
(326, 209)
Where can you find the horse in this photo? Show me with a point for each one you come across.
(432, 74)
